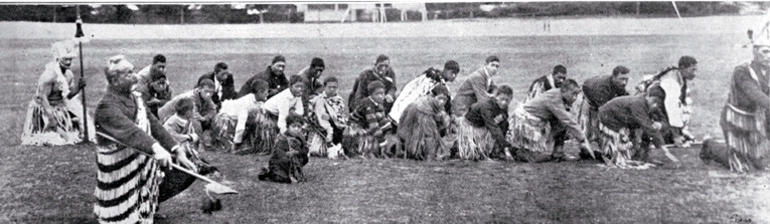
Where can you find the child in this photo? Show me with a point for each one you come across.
(365, 133)
(327, 118)
(482, 130)
(230, 128)
(290, 154)
(423, 124)
(179, 125)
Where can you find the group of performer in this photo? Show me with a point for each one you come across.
(303, 115)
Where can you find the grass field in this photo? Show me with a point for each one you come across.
(55, 185)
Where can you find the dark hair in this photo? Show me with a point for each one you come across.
(381, 58)
(220, 66)
(620, 70)
(374, 85)
(559, 69)
(294, 119)
(492, 58)
(452, 66)
(158, 58)
(278, 58)
(259, 85)
(293, 79)
(330, 79)
(183, 105)
(569, 84)
(439, 90)
(687, 61)
(505, 90)
(206, 83)
(317, 62)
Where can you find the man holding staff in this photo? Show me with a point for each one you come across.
(130, 173)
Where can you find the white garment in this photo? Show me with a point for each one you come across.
(240, 108)
(420, 86)
(678, 113)
(282, 104)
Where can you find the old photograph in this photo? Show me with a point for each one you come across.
(385, 112)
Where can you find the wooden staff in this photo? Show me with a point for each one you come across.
(78, 35)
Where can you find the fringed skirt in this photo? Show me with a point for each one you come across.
(127, 186)
(316, 142)
(473, 143)
(261, 131)
(529, 133)
(421, 137)
(618, 147)
(588, 118)
(357, 141)
(745, 135)
(264, 130)
(61, 129)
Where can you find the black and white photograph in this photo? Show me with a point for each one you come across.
(385, 112)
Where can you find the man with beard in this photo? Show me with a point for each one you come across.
(130, 184)
(547, 82)
(273, 75)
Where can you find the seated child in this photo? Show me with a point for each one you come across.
(368, 122)
(180, 126)
(289, 155)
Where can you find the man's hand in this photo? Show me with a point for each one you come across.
(161, 155)
(671, 157)
(81, 84)
(388, 98)
(183, 160)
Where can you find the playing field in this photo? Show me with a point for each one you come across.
(55, 185)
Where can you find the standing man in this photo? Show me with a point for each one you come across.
(547, 82)
(596, 92)
(380, 72)
(677, 102)
(273, 75)
(144, 76)
(224, 86)
(478, 87)
(130, 184)
(541, 125)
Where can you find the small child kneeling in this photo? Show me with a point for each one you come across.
(290, 154)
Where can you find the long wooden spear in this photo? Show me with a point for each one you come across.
(78, 35)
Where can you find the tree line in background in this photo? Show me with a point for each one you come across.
(286, 13)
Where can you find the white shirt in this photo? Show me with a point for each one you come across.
(240, 109)
(283, 103)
